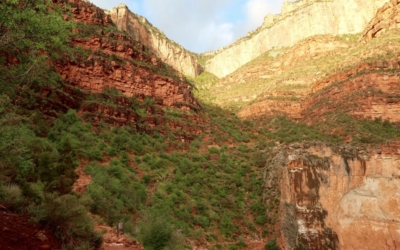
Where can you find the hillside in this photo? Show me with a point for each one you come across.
(107, 129)
(281, 81)
(97, 129)
(298, 20)
(345, 87)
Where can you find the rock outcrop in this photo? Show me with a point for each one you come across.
(388, 17)
(297, 21)
(367, 91)
(341, 197)
(361, 79)
(96, 74)
(121, 63)
(279, 80)
(168, 51)
(111, 76)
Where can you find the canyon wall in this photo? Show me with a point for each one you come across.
(388, 17)
(341, 197)
(110, 68)
(124, 64)
(141, 30)
(368, 91)
(297, 21)
(128, 77)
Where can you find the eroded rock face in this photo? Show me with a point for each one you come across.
(279, 95)
(124, 65)
(368, 91)
(388, 17)
(272, 107)
(127, 79)
(342, 197)
(86, 12)
(108, 70)
(141, 30)
(298, 21)
(96, 73)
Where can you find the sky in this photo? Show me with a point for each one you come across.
(201, 25)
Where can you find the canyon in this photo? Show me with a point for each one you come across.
(306, 63)
(168, 51)
(243, 153)
(298, 20)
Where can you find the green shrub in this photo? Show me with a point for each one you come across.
(11, 196)
(260, 220)
(146, 179)
(213, 150)
(271, 245)
(68, 219)
(157, 232)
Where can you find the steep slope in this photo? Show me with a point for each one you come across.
(339, 197)
(183, 175)
(116, 73)
(279, 76)
(298, 20)
(289, 81)
(387, 18)
(141, 30)
(177, 174)
(368, 91)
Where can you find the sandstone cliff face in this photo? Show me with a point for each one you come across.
(141, 30)
(341, 197)
(388, 17)
(87, 13)
(298, 21)
(368, 91)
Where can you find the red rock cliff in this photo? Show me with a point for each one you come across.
(117, 61)
(341, 197)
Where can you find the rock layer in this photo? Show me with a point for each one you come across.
(110, 68)
(368, 91)
(388, 17)
(269, 88)
(298, 21)
(168, 51)
(342, 197)
(120, 62)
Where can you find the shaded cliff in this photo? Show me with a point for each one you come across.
(297, 21)
(141, 30)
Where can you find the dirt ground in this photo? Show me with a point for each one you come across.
(18, 233)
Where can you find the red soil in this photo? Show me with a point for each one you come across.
(17, 232)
